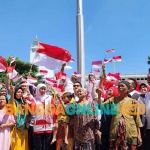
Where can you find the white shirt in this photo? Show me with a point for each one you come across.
(76, 98)
(141, 100)
(147, 103)
(89, 87)
(131, 93)
(68, 86)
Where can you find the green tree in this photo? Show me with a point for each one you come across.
(23, 68)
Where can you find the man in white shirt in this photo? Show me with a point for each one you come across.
(68, 83)
(77, 85)
(132, 92)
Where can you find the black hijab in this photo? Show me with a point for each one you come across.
(16, 89)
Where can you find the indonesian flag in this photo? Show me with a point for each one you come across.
(59, 88)
(3, 63)
(96, 71)
(50, 81)
(77, 75)
(106, 61)
(113, 77)
(44, 72)
(11, 72)
(60, 75)
(51, 57)
(16, 78)
(117, 58)
(110, 51)
(2, 69)
(31, 79)
(96, 64)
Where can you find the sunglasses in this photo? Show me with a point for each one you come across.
(76, 85)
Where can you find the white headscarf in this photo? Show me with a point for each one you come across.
(40, 97)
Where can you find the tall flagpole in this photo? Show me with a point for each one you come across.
(80, 42)
(114, 66)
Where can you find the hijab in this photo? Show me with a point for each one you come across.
(16, 89)
(20, 118)
(40, 97)
(7, 95)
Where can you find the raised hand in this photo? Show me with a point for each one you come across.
(12, 89)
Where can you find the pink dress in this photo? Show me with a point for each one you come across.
(5, 132)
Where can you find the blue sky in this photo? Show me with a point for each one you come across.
(120, 24)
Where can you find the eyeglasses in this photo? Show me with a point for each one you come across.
(76, 85)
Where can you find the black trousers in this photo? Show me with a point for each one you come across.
(105, 142)
(42, 141)
(148, 139)
(143, 146)
(31, 138)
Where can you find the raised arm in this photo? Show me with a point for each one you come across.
(63, 67)
(12, 95)
(8, 84)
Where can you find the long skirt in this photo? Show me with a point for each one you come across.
(85, 146)
(121, 143)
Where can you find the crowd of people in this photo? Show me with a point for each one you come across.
(97, 124)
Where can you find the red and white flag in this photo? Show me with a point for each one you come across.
(110, 51)
(49, 81)
(3, 63)
(51, 57)
(11, 72)
(2, 69)
(97, 64)
(96, 71)
(60, 75)
(31, 79)
(16, 78)
(106, 61)
(59, 88)
(113, 77)
(117, 58)
(44, 72)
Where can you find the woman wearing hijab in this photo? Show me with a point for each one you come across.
(43, 119)
(19, 134)
(125, 126)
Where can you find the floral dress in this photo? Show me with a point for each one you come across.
(84, 129)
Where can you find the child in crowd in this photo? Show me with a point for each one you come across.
(62, 118)
(6, 122)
